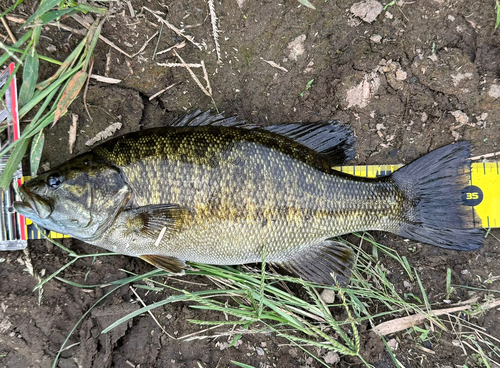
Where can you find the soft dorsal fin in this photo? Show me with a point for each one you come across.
(332, 140)
(319, 263)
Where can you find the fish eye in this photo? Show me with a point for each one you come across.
(55, 180)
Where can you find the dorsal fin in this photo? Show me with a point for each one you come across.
(332, 140)
(198, 118)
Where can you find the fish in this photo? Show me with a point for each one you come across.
(217, 190)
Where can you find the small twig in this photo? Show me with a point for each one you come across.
(100, 78)
(195, 78)
(199, 332)
(163, 90)
(7, 28)
(488, 155)
(205, 76)
(399, 324)
(131, 9)
(160, 236)
(174, 65)
(175, 29)
(15, 19)
(102, 38)
(151, 314)
(80, 32)
(274, 65)
(108, 64)
(86, 89)
(72, 132)
(157, 43)
(70, 346)
(145, 44)
(176, 46)
(215, 30)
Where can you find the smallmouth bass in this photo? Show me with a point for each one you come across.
(214, 190)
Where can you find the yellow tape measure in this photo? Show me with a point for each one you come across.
(482, 194)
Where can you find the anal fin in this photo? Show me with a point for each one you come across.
(169, 264)
(319, 263)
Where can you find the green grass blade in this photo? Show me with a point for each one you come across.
(307, 3)
(44, 7)
(73, 88)
(13, 7)
(41, 95)
(242, 365)
(70, 60)
(51, 16)
(84, 8)
(36, 152)
(93, 37)
(18, 44)
(41, 57)
(497, 23)
(30, 76)
(13, 163)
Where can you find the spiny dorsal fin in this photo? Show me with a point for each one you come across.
(198, 118)
(332, 140)
(319, 263)
(151, 220)
(169, 264)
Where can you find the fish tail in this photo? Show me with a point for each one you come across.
(432, 187)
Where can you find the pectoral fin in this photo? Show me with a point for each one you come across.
(319, 263)
(169, 264)
(151, 220)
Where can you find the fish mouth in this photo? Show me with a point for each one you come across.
(34, 206)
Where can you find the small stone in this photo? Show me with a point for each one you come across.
(494, 91)
(393, 344)
(460, 117)
(376, 38)
(424, 117)
(331, 358)
(401, 75)
(451, 17)
(367, 10)
(328, 296)
(51, 48)
(296, 48)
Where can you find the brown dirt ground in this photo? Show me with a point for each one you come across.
(396, 81)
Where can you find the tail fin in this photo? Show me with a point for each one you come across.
(433, 184)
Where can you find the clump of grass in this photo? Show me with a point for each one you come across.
(255, 301)
(49, 98)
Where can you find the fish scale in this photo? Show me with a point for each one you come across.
(214, 190)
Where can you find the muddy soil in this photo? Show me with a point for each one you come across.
(420, 75)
